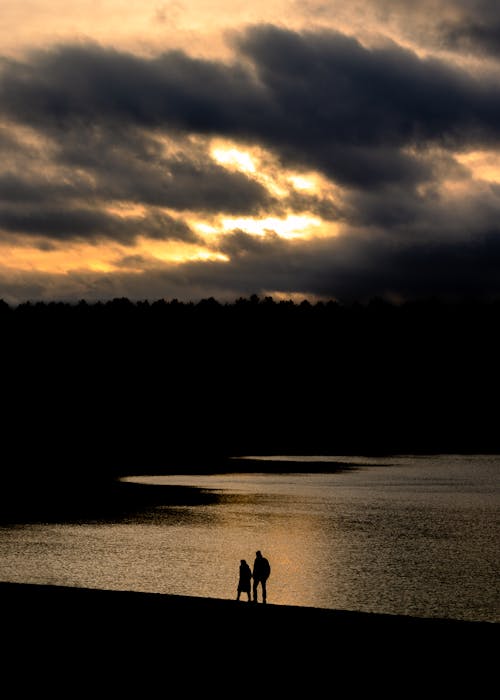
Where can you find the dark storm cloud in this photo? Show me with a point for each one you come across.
(452, 204)
(446, 269)
(470, 27)
(362, 115)
(239, 244)
(476, 29)
(132, 165)
(36, 189)
(425, 216)
(74, 223)
(89, 83)
(346, 93)
(316, 205)
(319, 99)
(354, 268)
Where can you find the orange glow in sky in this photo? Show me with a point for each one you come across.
(484, 165)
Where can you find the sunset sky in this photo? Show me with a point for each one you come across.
(293, 148)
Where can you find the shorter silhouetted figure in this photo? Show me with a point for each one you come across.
(261, 572)
(244, 582)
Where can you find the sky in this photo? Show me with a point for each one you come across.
(299, 149)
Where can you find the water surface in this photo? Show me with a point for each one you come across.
(411, 535)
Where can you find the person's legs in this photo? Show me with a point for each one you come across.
(264, 592)
(255, 584)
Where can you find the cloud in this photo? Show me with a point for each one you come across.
(341, 92)
(452, 205)
(89, 83)
(361, 266)
(464, 26)
(65, 190)
(133, 165)
(351, 268)
(121, 138)
(475, 28)
(320, 99)
(76, 224)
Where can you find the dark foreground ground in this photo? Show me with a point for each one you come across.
(92, 643)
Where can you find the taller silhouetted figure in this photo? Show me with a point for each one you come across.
(261, 572)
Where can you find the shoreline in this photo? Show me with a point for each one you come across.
(12, 592)
(121, 638)
(36, 599)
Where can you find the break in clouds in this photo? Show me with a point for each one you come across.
(106, 147)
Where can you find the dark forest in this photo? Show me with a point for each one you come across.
(125, 387)
(142, 382)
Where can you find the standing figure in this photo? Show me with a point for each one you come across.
(261, 572)
(244, 580)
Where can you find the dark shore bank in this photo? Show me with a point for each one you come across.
(128, 638)
(136, 385)
(58, 497)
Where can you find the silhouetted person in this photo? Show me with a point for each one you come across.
(244, 582)
(261, 572)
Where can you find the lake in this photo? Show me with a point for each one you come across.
(402, 534)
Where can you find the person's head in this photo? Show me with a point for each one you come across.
(258, 553)
(243, 561)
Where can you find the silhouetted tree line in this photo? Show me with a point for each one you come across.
(129, 386)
